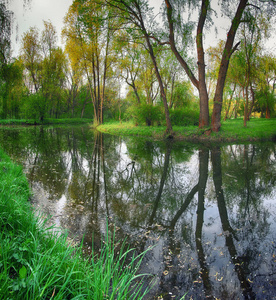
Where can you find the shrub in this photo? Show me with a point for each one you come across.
(145, 114)
(184, 116)
(34, 107)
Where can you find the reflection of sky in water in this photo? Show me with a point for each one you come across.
(59, 208)
(68, 184)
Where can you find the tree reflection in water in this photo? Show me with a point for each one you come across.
(210, 212)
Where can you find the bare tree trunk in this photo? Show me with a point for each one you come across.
(172, 90)
(253, 102)
(104, 76)
(267, 112)
(203, 94)
(229, 104)
(228, 51)
(245, 117)
(169, 129)
(199, 83)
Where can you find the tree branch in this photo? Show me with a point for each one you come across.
(235, 48)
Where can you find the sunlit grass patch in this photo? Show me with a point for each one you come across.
(231, 130)
(256, 129)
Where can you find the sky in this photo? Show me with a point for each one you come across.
(55, 11)
(34, 15)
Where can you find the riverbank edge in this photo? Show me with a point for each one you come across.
(38, 262)
(48, 121)
(257, 130)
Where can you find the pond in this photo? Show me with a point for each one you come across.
(210, 213)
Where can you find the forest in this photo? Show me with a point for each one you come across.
(124, 60)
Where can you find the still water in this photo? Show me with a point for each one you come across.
(210, 213)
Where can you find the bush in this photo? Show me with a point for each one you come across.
(145, 114)
(184, 116)
(34, 107)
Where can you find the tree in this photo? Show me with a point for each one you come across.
(53, 80)
(6, 22)
(5, 33)
(88, 27)
(31, 56)
(46, 67)
(129, 62)
(242, 12)
(11, 89)
(147, 80)
(10, 74)
(252, 34)
(266, 81)
(199, 83)
(170, 72)
(136, 15)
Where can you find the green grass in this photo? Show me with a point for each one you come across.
(45, 122)
(259, 129)
(231, 130)
(38, 263)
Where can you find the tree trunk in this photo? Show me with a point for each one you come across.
(200, 84)
(245, 117)
(267, 112)
(229, 104)
(228, 50)
(169, 129)
(253, 102)
(132, 84)
(202, 88)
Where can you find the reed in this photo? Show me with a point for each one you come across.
(37, 262)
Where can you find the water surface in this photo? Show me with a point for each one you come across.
(210, 213)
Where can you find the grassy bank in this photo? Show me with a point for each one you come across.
(51, 121)
(38, 263)
(231, 130)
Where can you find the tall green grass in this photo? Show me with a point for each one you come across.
(38, 263)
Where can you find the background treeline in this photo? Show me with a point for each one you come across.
(119, 65)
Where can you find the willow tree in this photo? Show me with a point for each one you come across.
(88, 38)
(178, 23)
(137, 18)
(129, 63)
(266, 84)
(31, 56)
(5, 35)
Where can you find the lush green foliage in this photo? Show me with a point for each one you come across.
(88, 78)
(38, 263)
(145, 114)
(184, 116)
